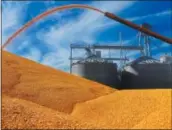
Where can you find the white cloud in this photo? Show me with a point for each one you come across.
(13, 14)
(151, 15)
(56, 59)
(12, 17)
(34, 54)
(23, 45)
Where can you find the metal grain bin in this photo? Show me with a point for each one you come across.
(105, 73)
(146, 72)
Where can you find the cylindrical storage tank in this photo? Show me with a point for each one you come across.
(146, 74)
(105, 73)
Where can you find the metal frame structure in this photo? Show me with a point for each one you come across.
(144, 40)
(101, 47)
(113, 47)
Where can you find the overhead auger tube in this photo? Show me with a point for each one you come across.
(137, 27)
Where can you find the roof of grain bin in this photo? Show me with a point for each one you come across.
(146, 72)
(166, 59)
(144, 60)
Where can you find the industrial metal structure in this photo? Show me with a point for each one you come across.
(96, 67)
(144, 40)
(105, 72)
(146, 72)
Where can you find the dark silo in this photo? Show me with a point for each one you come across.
(146, 72)
(102, 72)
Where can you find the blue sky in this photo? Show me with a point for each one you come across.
(47, 41)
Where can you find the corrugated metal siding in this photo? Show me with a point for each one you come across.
(105, 73)
(147, 76)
